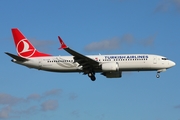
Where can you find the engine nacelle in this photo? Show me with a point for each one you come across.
(110, 67)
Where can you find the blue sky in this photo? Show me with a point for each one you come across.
(91, 27)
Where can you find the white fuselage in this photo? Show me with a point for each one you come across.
(110, 66)
(125, 62)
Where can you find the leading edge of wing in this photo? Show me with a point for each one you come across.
(76, 54)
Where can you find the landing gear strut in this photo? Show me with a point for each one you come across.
(158, 75)
(92, 76)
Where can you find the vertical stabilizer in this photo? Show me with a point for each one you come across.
(23, 46)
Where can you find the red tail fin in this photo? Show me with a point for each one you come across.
(24, 47)
(63, 45)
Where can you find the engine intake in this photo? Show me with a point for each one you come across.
(110, 67)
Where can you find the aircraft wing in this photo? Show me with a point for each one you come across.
(83, 60)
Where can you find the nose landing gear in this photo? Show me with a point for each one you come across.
(158, 72)
(158, 75)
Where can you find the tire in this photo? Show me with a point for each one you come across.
(157, 76)
(93, 78)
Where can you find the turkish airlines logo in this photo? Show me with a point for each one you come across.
(25, 49)
(96, 59)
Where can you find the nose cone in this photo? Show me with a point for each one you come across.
(171, 63)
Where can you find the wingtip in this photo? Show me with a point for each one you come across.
(63, 45)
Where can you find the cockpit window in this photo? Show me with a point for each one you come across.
(164, 59)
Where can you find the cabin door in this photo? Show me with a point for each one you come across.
(155, 60)
(40, 64)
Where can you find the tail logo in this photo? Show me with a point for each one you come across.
(25, 49)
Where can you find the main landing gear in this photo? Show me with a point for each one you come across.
(158, 75)
(92, 76)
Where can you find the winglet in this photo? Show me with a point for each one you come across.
(63, 45)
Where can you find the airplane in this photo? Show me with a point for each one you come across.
(111, 66)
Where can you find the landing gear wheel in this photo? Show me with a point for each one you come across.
(158, 76)
(92, 76)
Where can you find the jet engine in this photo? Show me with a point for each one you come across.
(111, 70)
(110, 67)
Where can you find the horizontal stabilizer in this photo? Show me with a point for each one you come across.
(16, 57)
